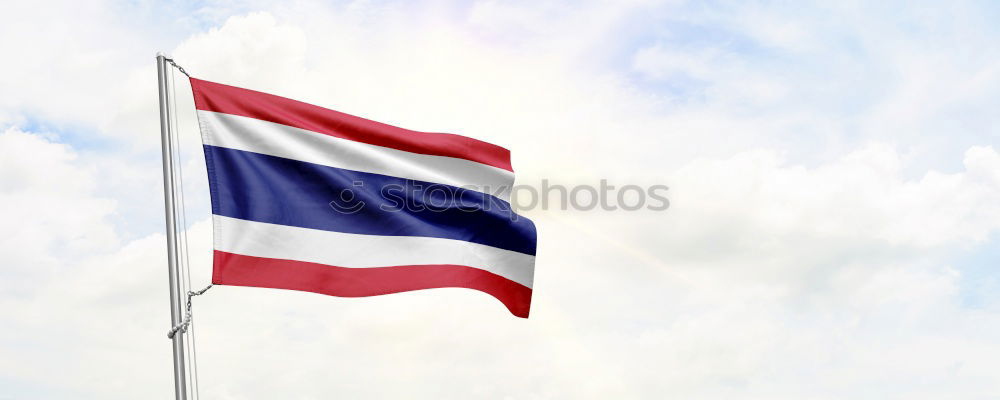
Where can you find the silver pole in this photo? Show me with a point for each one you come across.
(169, 184)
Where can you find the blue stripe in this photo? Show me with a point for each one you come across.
(276, 190)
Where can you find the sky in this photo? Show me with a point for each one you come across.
(833, 174)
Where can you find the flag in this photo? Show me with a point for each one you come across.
(307, 198)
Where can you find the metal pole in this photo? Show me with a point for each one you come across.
(176, 296)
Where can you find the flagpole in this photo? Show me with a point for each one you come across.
(169, 185)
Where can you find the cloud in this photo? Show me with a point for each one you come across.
(47, 202)
(808, 252)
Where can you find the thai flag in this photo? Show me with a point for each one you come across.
(307, 198)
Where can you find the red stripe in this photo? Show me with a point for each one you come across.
(211, 96)
(240, 270)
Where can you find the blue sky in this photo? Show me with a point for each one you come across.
(834, 183)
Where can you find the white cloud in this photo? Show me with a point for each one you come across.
(864, 194)
(797, 260)
(46, 201)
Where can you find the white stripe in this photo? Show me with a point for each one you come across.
(264, 137)
(351, 250)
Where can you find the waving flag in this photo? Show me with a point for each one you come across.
(307, 198)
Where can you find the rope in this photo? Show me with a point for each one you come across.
(183, 326)
(184, 257)
(179, 68)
